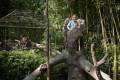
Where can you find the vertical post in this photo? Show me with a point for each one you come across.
(48, 40)
(86, 16)
(68, 4)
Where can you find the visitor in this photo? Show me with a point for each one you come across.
(69, 24)
(81, 26)
(72, 23)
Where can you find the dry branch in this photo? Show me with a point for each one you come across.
(100, 62)
(35, 73)
(93, 54)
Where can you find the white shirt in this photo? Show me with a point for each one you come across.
(71, 25)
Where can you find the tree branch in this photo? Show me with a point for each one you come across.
(90, 68)
(35, 73)
(100, 62)
(93, 54)
(61, 58)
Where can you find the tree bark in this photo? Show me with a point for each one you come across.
(78, 64)
(83, 63)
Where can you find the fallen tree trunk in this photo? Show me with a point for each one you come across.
(76, 60)
(34, 74)
(61, 58)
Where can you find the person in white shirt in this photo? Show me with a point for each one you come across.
(72, 23)
(69, 24)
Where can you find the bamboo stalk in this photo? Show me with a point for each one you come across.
(115, 53)
(86, 17)
(70, 10)
(113, 19)
(103, 29)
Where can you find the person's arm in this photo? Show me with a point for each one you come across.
(65, 24)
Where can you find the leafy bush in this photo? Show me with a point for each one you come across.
(61, 70)
(15, 65)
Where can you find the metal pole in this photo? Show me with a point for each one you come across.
(47, 41)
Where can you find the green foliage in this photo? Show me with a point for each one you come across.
(36, 5)
(15, 65)
(56, 38)
(59, 72)
(58, 11)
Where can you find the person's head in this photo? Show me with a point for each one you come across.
(73, 17)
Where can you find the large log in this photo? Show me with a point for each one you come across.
(76, 60)
(34, 74)
(63, 57)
